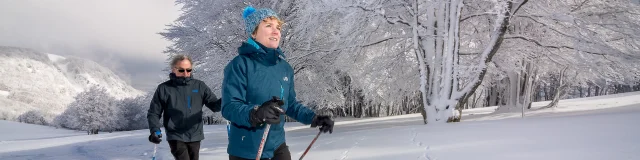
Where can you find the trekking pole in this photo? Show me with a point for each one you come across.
(266, 130)
(314, 140)
(264, 137)
(155, 148)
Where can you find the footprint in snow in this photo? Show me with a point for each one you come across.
(345, 154)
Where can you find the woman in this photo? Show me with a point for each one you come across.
(258, 88)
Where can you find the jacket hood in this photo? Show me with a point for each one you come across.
(260, 53)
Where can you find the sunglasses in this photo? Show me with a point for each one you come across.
(182, 70)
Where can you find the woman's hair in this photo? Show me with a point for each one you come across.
(178, 58)
(280, 23)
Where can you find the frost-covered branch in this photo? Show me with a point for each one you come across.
(579, 6)
(314, 51)
(548, 46)
(389, 19)
(477, 15)
(497, 37)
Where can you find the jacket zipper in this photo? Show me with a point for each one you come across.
(185, 91)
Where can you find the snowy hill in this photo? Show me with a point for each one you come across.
(47, 82)
(84, 73)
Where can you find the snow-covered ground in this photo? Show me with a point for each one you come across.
(4, 93)
(564, 106)
(595, 130)
(16, 131)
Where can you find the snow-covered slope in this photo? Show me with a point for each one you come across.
(84, 73)
(47, 82)
(23, 131)
(609, 133)
(55, 58)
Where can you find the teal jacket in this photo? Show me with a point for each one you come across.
(251, 78)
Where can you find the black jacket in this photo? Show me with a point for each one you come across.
(181, 100)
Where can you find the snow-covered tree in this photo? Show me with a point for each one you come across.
(378, 57)
(211, 31)
(208, 31)
(592, 43)
(93, 110)
(596, 39)
(430, 31)
(32, 117)
(134, 111)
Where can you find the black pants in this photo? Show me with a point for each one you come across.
(185, 150)
(281, 153)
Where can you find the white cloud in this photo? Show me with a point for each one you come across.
(110, 32)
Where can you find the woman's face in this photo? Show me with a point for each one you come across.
(268, 33)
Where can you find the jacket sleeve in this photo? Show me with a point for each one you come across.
(235, 107)
(155, 111)
(210, 100)
(296, 110)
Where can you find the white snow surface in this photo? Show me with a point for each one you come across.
(55, 57)
(4, 93)
(22, 131)
(569, 105)
(580, 129)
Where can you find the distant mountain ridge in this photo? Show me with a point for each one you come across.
(48, 82)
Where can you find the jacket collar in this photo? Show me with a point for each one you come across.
(260, 53)
(180, 80)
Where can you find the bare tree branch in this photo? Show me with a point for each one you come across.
(342, 48)
(579, 6)
(549, 46)
(476, 15)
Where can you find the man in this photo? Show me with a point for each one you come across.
(179, 101)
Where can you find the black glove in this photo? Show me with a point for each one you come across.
(155, 137)
(268, 112)
(219, 102)
(325, 123)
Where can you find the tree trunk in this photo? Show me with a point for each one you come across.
(441, 91)
(580, 90)
(562, 86)
(529, 83)
(493, 97)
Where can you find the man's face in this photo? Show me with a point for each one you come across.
(182, 69)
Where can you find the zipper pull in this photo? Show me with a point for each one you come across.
(281, 92)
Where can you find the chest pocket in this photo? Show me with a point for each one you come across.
(258, 83)
(194, 99)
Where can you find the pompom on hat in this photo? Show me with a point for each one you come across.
(252, 17)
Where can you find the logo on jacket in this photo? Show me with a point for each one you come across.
(194, 91)
(286, 79)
